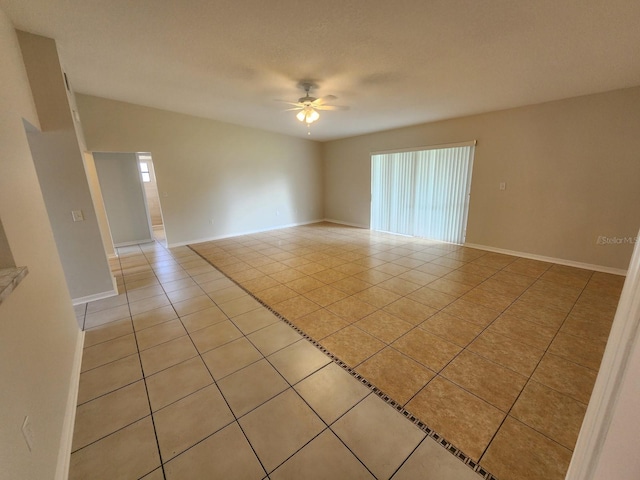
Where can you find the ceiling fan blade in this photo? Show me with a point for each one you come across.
(323, 100)
(331, 107)
(293, 108)
(297, 104)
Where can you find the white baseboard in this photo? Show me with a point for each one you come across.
(135, 242)
(66, 439)
(97, 296)
(239, 234)
(349, 224)
(542, 258)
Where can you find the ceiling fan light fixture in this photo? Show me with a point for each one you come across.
(307, 107)
(312, 116)
(308, 115)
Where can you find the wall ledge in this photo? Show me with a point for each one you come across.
(10, 278)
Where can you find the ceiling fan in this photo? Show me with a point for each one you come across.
(308, 106)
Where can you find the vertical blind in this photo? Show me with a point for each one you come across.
(423, 193)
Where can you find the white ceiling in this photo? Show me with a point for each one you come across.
(394, 62)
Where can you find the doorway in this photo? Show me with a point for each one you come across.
(125, 200)
(148, 176)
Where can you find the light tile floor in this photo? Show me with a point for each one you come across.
(186, 376)
(495, 353)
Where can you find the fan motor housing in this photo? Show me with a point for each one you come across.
(307, 99)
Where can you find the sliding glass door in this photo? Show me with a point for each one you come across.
(423, 193)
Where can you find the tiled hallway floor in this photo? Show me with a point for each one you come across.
(185, 375)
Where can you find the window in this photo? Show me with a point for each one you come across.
(144, 169)
(423, 193)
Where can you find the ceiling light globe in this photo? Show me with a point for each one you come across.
(312, 116)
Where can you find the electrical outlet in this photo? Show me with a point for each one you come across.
(27, 432)
(211, 221)
(77, 215)
(277, 213)
(503, 185)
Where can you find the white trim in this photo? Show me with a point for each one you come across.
(97, 296)
(349, 224)
(114, 282)
(470, 143)
(112, 256)
(542, 258)
(238, 234)
(624, 336)
(66, 439)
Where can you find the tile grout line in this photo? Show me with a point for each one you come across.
(144, 377)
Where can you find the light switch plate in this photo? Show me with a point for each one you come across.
(77, 215)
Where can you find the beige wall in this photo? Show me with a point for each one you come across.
(571, 169)
(215, 179)
(38, 330)
(59, 164)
